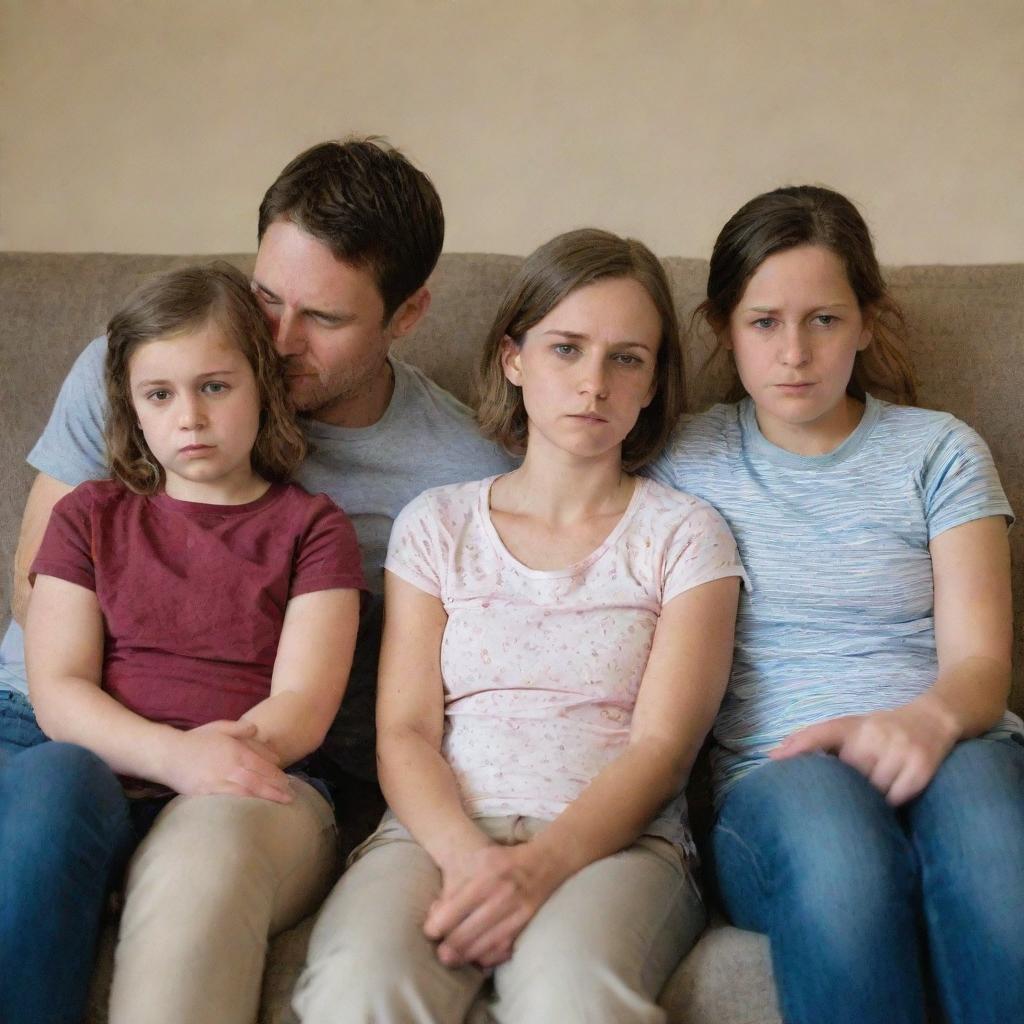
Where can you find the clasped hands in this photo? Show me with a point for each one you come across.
(489, 894)
(897, 751)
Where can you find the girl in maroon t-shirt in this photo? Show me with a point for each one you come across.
(192, 624)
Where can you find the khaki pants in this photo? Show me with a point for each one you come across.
(598, 951)
(213, 879)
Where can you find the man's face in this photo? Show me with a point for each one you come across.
(327, 318)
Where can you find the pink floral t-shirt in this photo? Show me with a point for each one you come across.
(541, 668)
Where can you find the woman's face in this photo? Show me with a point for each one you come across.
(794, 335)
(587, 369)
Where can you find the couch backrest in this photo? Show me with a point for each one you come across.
(967, 340)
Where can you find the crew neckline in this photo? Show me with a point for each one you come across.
(162, 500)
(484, 512)
(757, 443)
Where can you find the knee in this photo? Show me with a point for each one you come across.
(818, 831)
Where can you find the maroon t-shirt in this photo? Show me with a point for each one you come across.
(193, 596)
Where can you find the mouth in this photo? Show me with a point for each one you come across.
(195, 449)
(797, 387)
(587, 417)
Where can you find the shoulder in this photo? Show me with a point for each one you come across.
(699, 441)
(96, 496)
(447, 503)
(920, 434)
(421, 393)
(680, 511)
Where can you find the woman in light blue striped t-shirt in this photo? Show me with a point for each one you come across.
(869, 780)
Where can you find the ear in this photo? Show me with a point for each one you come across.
(867, 331)
(511, 363)
(409, 313)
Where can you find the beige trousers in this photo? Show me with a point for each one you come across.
(213, 879)
(599, 950)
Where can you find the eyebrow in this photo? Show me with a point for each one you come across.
(576, 336)
(342, 318)
(775, 309)
(201, 376)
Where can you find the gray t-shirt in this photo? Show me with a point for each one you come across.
(426, 438)
(839, 617)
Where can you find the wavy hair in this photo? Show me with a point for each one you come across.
(173, 304)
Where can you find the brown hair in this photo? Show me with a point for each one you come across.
(566, 263)
(186, 300)
(811, 215)
(369, 205)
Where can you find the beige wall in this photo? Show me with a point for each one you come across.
(155, 125)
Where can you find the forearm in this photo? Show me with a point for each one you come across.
(75, 710)
(420, 788)
(974, 690)
(292, 724)
(637, 784)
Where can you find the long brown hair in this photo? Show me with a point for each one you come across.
(809, 215)
(186, 300)
(566, 263)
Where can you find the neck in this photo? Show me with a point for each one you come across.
(239, 491)
(562, 489)
(362, 409)
(821, 437)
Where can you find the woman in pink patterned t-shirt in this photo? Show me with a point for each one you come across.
(557, 642)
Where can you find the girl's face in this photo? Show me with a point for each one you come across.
(197, 403)
(587, 369)
(794, 335)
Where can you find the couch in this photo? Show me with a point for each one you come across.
(968, 331)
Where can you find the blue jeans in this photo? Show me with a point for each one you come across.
(859, 900)
(65, 833)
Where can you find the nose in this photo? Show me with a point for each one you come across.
(795, 347)
(289, 338)
(191, 412)
(594, 378)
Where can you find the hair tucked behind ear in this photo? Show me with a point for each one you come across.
(784, 219)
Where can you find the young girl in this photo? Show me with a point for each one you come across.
(557, 640)
(191, 624)
(868, 778)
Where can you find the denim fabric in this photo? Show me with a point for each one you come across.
(861, 901)
(65, 831)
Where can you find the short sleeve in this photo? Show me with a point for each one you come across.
(960, 481)
(66, 550)
(415, 552)
(701, 549)
(328, 557)
(71, 448)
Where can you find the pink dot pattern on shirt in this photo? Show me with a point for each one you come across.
(541, 669)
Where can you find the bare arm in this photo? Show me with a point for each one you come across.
(311, 670)
(682, 687)
(417, 782)
(45, 493)
(64, 682)
(899, 751)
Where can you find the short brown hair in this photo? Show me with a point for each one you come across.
(811, 215)
(566, 263)
(186, 300)
(369, 205)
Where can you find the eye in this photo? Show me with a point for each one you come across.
(214, 387)
(628, 359)
(763, 323)
(158, 395)
(826, 319)
(265, 297)
(563, 348)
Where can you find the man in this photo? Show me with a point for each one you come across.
(348, 235)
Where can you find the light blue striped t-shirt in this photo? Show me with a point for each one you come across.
(839, 617)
